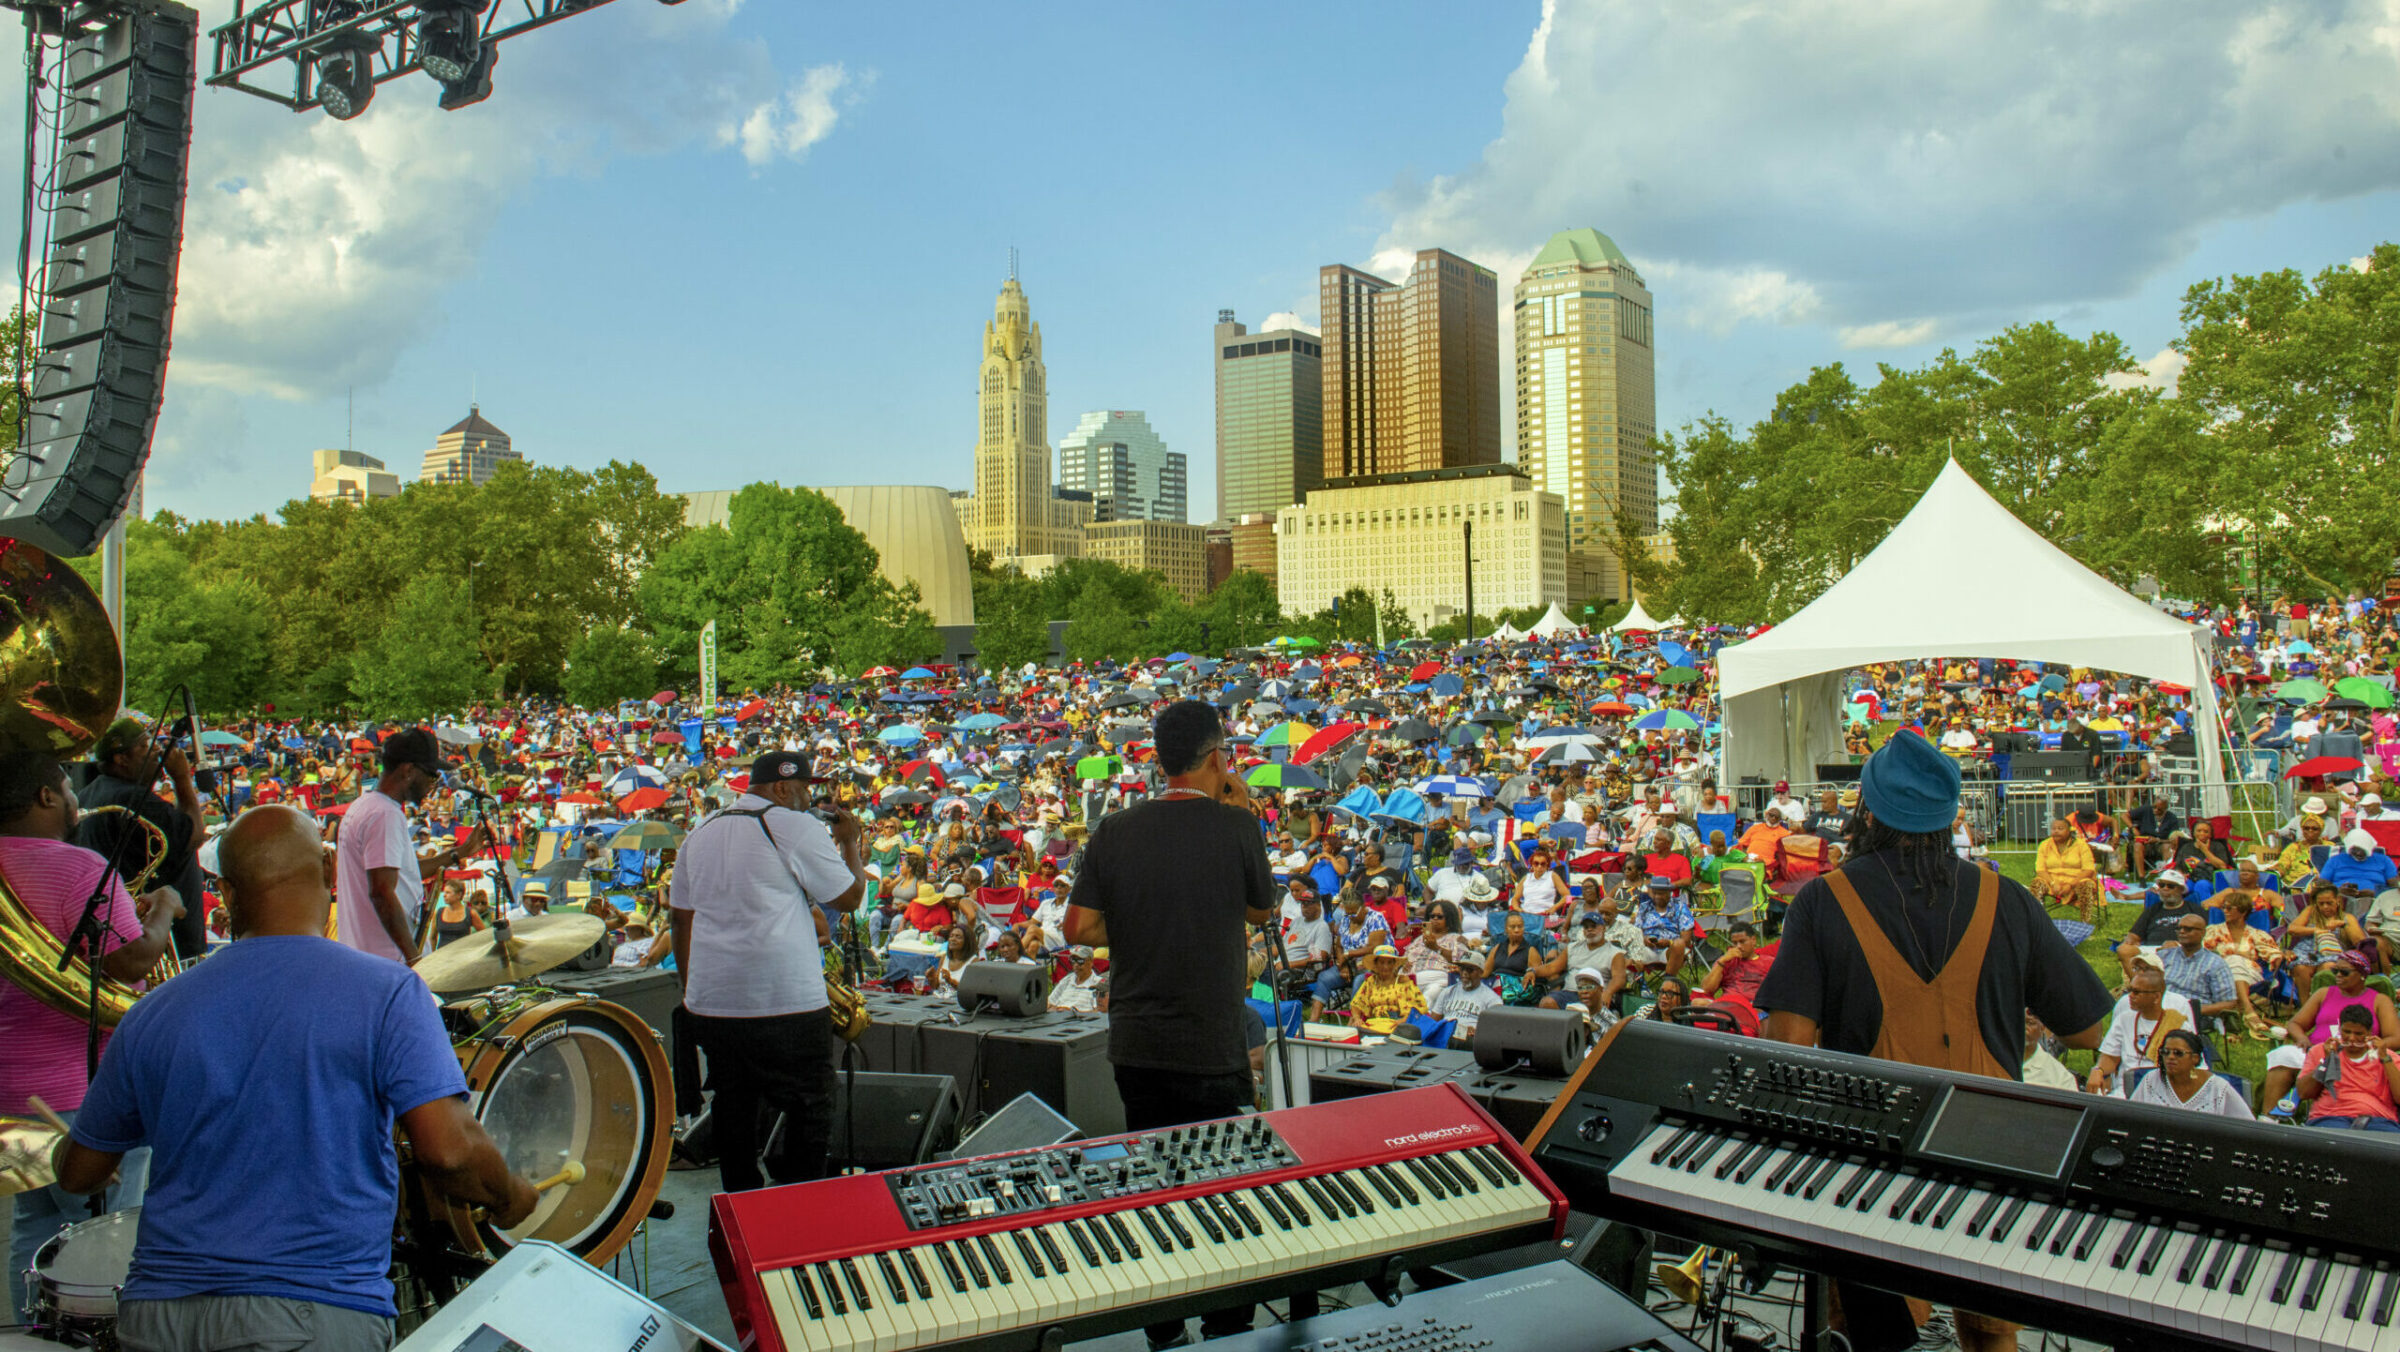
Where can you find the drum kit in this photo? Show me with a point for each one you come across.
(575, 1092)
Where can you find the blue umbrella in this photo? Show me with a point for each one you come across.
(981, 722)
(1454, 786)
(1448, 684)
(635, 777)
(1304, 707)
(1308, 671)
(901, 734)
(1273, 690)
(1404, 805)
(1415, 688)
(918, 674)
(1201, 666)
(2299, 645)
(1360, 802)
(1179, 657)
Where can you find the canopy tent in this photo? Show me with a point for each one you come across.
(1507, 632)
(1636, 619)
(1553, 623)
(1958, 577)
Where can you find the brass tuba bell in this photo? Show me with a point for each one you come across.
(62, 682)
(1683, 1280)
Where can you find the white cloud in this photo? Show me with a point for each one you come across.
(2363, 263)
(316, 251)
(1288, 319)
(785, 127)
(1881, 167)
(2161, 372)
(1887, 333)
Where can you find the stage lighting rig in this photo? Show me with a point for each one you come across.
(337, 51)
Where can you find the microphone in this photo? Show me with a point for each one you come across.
(204, 769)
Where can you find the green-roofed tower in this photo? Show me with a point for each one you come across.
(1587, 404)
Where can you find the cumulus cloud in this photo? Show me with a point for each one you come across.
(785, 127)
(2161, 372)
(316, 251)
(1895, 169)
(1288, 319)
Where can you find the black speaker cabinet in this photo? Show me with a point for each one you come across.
(901, 1120)
(1379, 1070)
(1061, 1059)
(649, 993)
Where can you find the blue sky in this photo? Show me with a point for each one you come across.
(758, 240)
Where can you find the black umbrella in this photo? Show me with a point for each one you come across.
(1415, 730)
(1492, 717)
(1235, 694)
(1367, 706)
(1057, 747)
(1121, 701)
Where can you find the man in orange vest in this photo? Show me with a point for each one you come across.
(1906, 924)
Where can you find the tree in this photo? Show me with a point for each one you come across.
(1010, 629)
(209, 635)
(1098, 627)
(1396, 624)
(608, 665)
(423, 663)
(1243, 612)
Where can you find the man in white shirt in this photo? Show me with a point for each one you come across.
(752, 888)
(1793, 810)
(1079, 991)
(2143, 1012)
(379, 878)
(1449, 882)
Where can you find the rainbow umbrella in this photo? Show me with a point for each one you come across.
(1667, 720)
(1286, 776)
(1287, 734)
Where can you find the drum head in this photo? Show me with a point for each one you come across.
(79, 1270)
(574, 1080)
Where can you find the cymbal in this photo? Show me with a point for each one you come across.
(537, 944)
(25, 1146)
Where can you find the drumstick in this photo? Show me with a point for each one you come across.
(572, 1173)
(42, 1110)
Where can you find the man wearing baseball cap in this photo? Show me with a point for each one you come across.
(1908, 953)
(379, 878)
(749, 901)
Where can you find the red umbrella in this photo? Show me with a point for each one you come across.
(1612, 706)
(642, 800)
(1424, 671)
(587, 799)
(1326, 739)
(749, 711)
(666, 738)
(877, 673)
(2317, 767)
(361, 744)
(919, 770)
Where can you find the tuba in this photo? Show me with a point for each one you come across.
(62, 681)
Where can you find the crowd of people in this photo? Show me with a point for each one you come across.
(1444, 831)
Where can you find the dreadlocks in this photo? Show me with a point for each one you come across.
(1925, 858)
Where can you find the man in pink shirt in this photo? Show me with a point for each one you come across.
(379, 879)
(43, 1053)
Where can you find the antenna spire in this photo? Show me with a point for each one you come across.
(1012, 262)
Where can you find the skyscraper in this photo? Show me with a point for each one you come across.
(469, 451)
(1587, 406)
(350, 475)
(1012, 512)
(1412, 371)
(1270, 418)
(1115, 456)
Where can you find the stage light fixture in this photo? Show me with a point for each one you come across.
(449, 42)
(476, 86)
(346, 84)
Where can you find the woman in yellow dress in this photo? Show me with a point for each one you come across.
(1386, 997)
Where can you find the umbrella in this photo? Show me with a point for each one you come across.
(1491, 717)
(1567, 753)
(1286, 734)
(982, 722)
(2054, 682)
(1304, 641)
(2365, 689)
(1308, 671)
(663, 698)
(1285, 776)
(922, 771)
(666, 737)
(1454, 786)
(1360, 802)
(1404, 805)
(1373, 708)
(901, 734)
(1465, 733)
(1448, 684)
(876, 673)
(1613, 708)
(900, 797)
(1424, 671)
(2299, 646)
(642, 800)
(2302, 691)
(1549, 737)
(586, 799)
(646, 836)
(1677, 676)
(1326, 739)
(749, 711)
(1413, 730)
(2316, 767)
(1663, 720)
(2343, 703)
(917, 674)
(1096, 767)
(637, 777)
(1274, 690)
(218, 737)
(1122, 700)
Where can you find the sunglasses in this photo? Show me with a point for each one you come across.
(2341, 971)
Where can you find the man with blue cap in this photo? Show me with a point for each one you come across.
(1909, 953)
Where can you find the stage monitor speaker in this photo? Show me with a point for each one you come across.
(115, 198)
(1844, 773)
(1538, 1041)
(1380, 1070)
(1614, 1252)
(1026, 1123)
(1015, 990)
(2064, 767)
(648, 993)
(901, 1119)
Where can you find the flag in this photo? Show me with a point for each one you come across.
(708, 670)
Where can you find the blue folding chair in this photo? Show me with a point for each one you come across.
(1437, 1031)
(1716, 821)
(1565, 833)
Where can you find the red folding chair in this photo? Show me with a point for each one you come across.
(1798, 858)
(2387, 836)
(1008, 905)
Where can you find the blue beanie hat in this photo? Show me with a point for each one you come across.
(1909, 786)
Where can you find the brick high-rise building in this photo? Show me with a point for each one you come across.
(1412, 370)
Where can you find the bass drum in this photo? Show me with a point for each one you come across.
(558, 1079)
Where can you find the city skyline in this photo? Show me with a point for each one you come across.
(1869, 205)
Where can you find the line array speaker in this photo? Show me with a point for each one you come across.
(108, 280)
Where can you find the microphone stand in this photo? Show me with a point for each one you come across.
(1280, 967)
(501, 926)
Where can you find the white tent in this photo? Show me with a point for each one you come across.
(1636, 618)
(1958, 577)
(1553, 623)
(1506, 632)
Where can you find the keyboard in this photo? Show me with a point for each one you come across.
(2112, 1220)
(1033, 1248)
(1550, 1307)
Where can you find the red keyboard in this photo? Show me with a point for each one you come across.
(1036, 1248)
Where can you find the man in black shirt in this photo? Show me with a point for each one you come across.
(2154, 824)
(1168, 885)
(129, 764)
(2156, 925)
(2082, 741)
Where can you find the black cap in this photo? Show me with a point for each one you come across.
(412, 746)
(778, 767)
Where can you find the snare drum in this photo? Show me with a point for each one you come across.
(555, 1079)
(76, 1277)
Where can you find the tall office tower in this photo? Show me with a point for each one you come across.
(468, 452)
(1587, 405)
(1115, 456)
(1012, 513)
(1270, 418)
(350, 475)
(1412, 371)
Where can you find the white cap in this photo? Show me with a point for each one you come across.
(954, 890)
(2176, 877)
(1591, 972)
(2314, 807)
(2366, 798)
(1667, 808)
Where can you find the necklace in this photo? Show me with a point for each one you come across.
(1925, 963)
(1183, 793)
